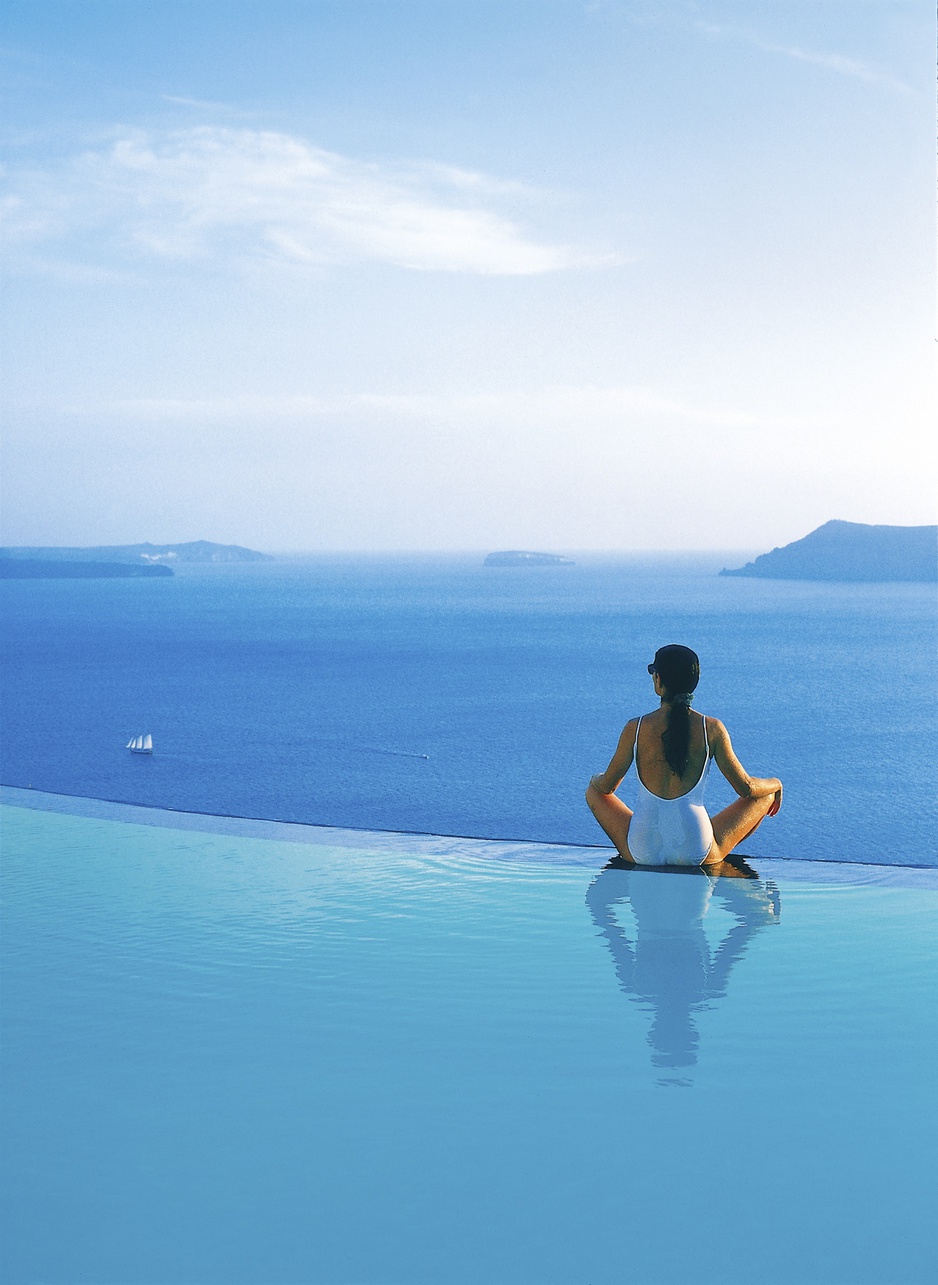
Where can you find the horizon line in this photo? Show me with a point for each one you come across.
(414, 551)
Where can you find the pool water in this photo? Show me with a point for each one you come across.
(238, 1052)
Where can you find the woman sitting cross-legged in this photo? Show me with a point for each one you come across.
(672, 748)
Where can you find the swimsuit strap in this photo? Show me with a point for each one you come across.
(706, 742)
(635, 745)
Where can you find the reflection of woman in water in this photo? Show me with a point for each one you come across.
(668, 966)
(672, 748)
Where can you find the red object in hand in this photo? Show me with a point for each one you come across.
(776, 803)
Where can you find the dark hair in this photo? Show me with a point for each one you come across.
(679, 670)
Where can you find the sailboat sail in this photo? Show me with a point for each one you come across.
(141, 744)
(148, 742)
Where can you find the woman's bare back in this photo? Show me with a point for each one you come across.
(653, 769)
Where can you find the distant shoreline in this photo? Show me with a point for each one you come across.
(134, 554)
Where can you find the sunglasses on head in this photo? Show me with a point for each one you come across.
(651, 669)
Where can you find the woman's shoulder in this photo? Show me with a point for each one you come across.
(715, 729)
(647, 721)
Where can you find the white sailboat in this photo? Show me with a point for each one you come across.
(141, 744)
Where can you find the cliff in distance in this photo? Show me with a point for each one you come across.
(852, 551)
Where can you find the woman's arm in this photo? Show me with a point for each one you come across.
(746, 786)
(609, 781)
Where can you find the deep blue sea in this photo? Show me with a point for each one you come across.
(435, 694)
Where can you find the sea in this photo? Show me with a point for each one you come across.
(434, 694)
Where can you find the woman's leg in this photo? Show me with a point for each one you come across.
(735, 823)
(613, 816)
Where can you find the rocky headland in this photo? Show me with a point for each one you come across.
(851, 551)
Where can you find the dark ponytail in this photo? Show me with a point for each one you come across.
(679, 671)
(676, 736)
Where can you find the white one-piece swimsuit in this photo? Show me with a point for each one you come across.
(671, 832)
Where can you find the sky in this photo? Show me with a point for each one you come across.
(466, 274)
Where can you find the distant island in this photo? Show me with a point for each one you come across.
(140, 555)
(524, 558)
(852, 551)
(47, 569)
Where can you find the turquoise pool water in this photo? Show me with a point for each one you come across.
(251, 1052)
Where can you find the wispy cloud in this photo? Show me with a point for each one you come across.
(260, 195)
(560, 405)
(201, 104)
(839, 63)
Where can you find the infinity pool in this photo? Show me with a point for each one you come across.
(250, 1052)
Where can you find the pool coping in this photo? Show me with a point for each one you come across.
(588, 856)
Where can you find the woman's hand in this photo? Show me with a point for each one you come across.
(776, 802)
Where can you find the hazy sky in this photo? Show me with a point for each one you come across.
(466, 275)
